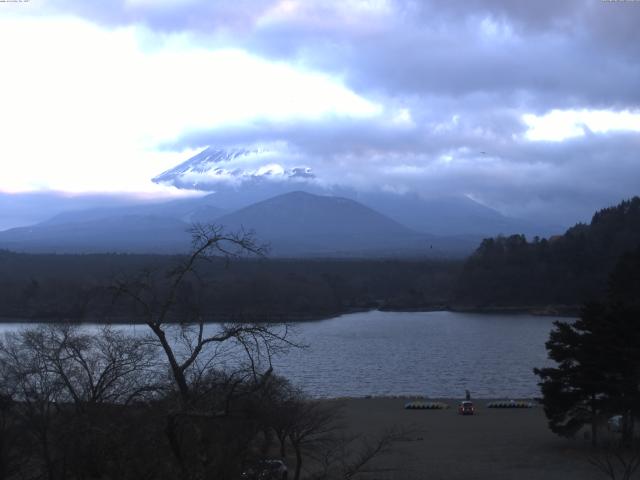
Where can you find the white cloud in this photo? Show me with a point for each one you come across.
(84, 108)
(403, 117)
(558, 125)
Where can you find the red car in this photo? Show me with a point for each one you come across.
(466, 408)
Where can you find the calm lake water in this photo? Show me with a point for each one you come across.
(437, 354)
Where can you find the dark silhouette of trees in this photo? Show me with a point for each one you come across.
(212, 424)
(312, 425)
(566, 270)
(598, 360)
(10, 458)
(174, 299)
(616, 462)
(187, 399)
(76, 405)
(61, 385)
(254, 288)
(573, 392)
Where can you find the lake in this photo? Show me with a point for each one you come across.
(437, 354)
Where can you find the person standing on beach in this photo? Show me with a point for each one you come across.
(467, 395)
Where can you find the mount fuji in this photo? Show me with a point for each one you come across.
(210, 167)
(237, 178)
(288, 207)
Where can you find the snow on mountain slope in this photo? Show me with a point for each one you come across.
(241, 177)
(211, 166)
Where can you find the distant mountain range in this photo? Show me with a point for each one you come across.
(239, 177)
(293, 224)
(287, 207)
(189, 211)
(29, 208)
(300, 223)
(121, 234)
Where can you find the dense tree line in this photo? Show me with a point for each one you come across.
(55, 287)
(563, 270)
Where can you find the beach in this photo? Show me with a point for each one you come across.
(496, 444)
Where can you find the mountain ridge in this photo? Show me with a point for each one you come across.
(206, 169)
(296, 224)
(240, 177)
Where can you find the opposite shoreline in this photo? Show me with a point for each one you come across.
(569, 311)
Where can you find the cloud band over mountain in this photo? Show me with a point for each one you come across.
(529, 107)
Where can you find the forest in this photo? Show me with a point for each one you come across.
(564, 270)
(80, 287)
(556, 275)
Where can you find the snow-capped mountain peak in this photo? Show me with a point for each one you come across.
(211, 166)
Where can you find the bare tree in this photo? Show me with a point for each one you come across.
(38, 392)
(107, 367)
(363, 458)
(211, 366)
(10, 458)
(167, 307)
(616, 461)
(313, 426)
(318, 437)
(63, 383)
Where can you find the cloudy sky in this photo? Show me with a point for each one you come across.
(531, 107)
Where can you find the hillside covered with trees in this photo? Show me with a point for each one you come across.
(564, 270)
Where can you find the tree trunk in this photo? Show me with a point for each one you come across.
(4, 468)
(627, 429)
(594, 422)
(268, 441)
(178, 373)
(298, 461)
(283, 449)
(48, 461)
(174, 443)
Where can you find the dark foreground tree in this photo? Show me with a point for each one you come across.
(169, 303)
(574, 392)
(216, 368)
(190, 400)
(616, 462)
(67, 392)
(598, 360)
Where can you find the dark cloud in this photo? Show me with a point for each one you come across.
(466, 72)
(433, 127)
(535, 54)
(539, 55)
(485, 156)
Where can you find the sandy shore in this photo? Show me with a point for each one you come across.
(495, 444)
